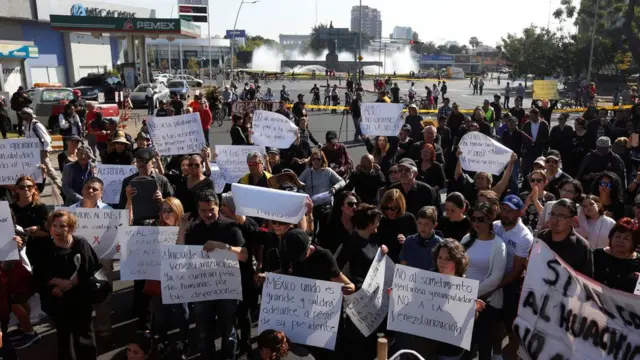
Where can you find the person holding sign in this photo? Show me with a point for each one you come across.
(256, 176)
(481, 181)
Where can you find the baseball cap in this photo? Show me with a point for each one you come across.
(413, 106)
(300, 95)
(409, 163)
(539, 161)
(331, 135)
(296, 243)
(406, 127)
(555, 154)
(603, 142)
(73, 138)
(273, 150)
(514, 202)
(87, 150)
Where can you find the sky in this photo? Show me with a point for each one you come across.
(487, 20)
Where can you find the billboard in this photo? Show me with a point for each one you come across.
(436, 59)
(238, 34)
(192, 12)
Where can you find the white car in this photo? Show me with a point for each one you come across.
(163, 78)
(191, 81)
(47, 103)
(139, 95)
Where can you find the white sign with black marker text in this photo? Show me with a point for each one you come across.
(112, 176)
(141, 256)
(19, 157)
(381, 119)
(232, 160)
(482, 153)
(254, 201)
(8, 247)
(101, 228)
(177, 135)
(273, 130)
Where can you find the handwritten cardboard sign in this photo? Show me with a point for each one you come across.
(177, 135)
(190, 274)
(269, 204)
(232, 160)
(381, 119)
(545, 89)
(8, 247)
(101, 228)
(141, 256)
(19, 157)
(112, 176)
(562, 314)
(482, 153)
(307, 310)
(432, 305)
(368, 306)
(273, 129)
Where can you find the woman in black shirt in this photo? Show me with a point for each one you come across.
(63, 265)
(383, 151)
(618, 264)
(429, 171)
(455, 224)
(189, 189)
(339, 227)
(237, 136)
(119, 152)
(29, 212)
(69, 155)
(396, 224)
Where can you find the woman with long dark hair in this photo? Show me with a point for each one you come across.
(237, 135)
(608, 187)
(454, 224)
(487, 263)
(337, 230)
(188, 190)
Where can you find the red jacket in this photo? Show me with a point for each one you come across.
(206, 118)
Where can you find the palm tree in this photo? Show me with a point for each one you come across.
(474, 42)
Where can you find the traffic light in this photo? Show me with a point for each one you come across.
(411, 42)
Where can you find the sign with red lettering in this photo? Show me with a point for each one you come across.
(100, 227)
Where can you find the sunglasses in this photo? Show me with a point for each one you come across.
(278, 223)
(250, 163)
(478, 219)
(550, 161)
(606, 184)
(351, 204)
(167, 211)
(389, 208)
(536, 180)
(25, 187)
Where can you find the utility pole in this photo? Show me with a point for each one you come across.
(593, 39)
(360, 44)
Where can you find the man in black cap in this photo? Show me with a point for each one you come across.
(298, 109)
(416, 193)
(143, 140)
(19, 101)
(337, 156)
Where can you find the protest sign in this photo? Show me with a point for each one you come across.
(217, 178)
(381, 119)
(101, 228)
(190, 274)
(545, 89)
(564, 315)
(433, 306)
(368, 306)
(19, 157)
(285, 206)
(177, 135)
(273, 130)
(637, 290)
(140, 257)
(482, 153)
(232, 160)
(8, 247)
(112, 176)
(307, 310)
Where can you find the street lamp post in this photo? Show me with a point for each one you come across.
(593, 39)
(233, 36)
(360, 45)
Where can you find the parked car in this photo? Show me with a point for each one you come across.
(191, 81)
(48, 103)
(163, 78)
(139, 95)
(93, 85)
(179, 87)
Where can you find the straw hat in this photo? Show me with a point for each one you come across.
(287, 176)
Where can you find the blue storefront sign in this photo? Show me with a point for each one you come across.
(436, 59)
(15, 51)
(239, 34)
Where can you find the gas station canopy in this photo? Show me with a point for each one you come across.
(147, 27)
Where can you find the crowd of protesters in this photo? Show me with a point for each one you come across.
(575, 188)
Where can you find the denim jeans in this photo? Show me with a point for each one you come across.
(222, 313)
(168, 317)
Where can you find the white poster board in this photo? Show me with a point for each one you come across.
(112, 176)
(19, 157)
(482, 153)
(217, 178)
(141, 256)
(8, 247)
(433, 306)
(254, 201)
(273, 130)
(368, 306)
(101, 228)
(637, 290)
(307, 310)
(381, 119)
(190, 274)
(232, 160)
(177, 135)
(562, 314)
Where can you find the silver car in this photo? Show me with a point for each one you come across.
(139, 95)
(193, 82)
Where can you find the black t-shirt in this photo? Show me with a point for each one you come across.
(223, 230)
(189, 196)
(418, 196)
(320, 265)
(574, 250)
(30, 215)
(614, 272)
(359, 253)
(117, 158)
(388, 231)
(453, 229)
(332, 235)
(178, 107)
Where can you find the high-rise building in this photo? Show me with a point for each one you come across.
(402, 32)
(371, 21)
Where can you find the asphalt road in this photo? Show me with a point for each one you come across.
(320, 122)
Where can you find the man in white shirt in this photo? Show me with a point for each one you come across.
(518, 240)
(34, 129)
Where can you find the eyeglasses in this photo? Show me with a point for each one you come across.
(606, 184)
(389, 208)
(167, 211)
(559, 216)
(351, 204)
(250, 163)
(25, 187)
(197, 165)
(536, 180)
(551, 161)
(477, 219)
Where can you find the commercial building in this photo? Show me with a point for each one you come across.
(402, 32)
(371, 21)
(180, 51)
(292, 42)
(32, 51)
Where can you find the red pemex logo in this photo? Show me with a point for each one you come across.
(128, 25)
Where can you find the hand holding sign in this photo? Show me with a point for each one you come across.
(273, 129)
(177, 135)
(478, 152)
(285, 206)
(381, 119)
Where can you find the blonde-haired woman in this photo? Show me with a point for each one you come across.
(169, 316)
(396, 224)
(535, 199)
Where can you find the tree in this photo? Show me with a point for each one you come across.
(631, 31)
(192, 66)
(474, 42)
(415, 37)
(454, 49)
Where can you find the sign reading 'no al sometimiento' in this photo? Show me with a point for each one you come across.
(482, 153)
(381, 119)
